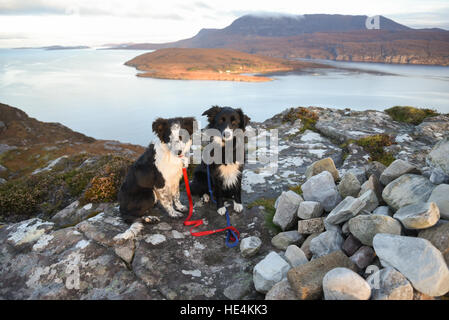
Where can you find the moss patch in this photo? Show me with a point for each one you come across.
(50, 191)
(296, 189)
(410, 114)
(308, 118)
(374, 145)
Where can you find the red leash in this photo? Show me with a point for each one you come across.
(197, 223)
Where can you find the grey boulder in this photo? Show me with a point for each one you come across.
(418, 216)
(365, 227)
(349, 185)
(309, 210)
(283, 239)
(322, 188)
(389, 284)
(396, 169)
(286, 210)
(271, 270)
(440, 195)
(345, 284)
(326, 243)
(407, 189)
(417, 259)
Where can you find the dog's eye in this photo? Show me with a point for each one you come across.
(180, 138)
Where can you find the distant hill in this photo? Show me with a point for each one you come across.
(56, 47)
(321, 36)
(27, 143)
(212, 64)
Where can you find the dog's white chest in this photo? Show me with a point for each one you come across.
(168, 165)
(230, 174)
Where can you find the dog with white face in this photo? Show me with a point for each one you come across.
(155, 176)
(226, 176)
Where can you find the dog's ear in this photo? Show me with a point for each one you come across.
(244, 119)
(211, 113)
(187, 123)
(159, 126)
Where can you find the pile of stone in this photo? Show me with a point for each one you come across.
(382, 235)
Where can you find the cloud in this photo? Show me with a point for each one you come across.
(202, 5)
(112, 8)
(12, 36)
(430, 19)
(29, 7)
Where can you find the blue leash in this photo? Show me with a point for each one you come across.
(228, 221)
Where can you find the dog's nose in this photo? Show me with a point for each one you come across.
(179, 152)
(227, 134)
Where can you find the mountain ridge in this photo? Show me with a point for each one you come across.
(332, 37)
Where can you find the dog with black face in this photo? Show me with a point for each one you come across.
(155, 175)
(226, 177)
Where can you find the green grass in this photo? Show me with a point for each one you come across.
(268, 204)
(410, 114)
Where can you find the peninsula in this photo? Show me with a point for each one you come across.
(213, 64)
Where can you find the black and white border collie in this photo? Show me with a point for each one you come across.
(226, 178)
(155, 176)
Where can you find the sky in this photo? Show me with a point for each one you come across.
(99, 22)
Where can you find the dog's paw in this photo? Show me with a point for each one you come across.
(182, 208)
(132, 232)
(175, 214)
(221, 211)
(205, 198)
(238, 207)
(151, 219)
(120, 238)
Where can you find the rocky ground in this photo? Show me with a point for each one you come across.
(330, 214)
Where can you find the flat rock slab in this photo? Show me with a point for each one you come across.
(307, 279)
(417, 259)
(418, 216)
(64, 264)
(41, 262)
(407, 189)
